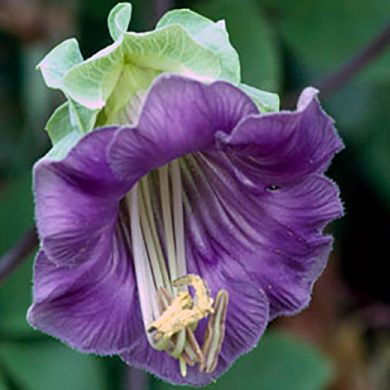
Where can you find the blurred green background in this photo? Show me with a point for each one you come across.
(342, 342)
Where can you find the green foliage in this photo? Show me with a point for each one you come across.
(16, 211)
(41, 363)
(324, 33)
(266, 368)
(49, 365)
(16, 215)
(252, 36)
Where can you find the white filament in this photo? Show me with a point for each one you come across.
(167, 220)
(153, 239)
(178, 218)
(149, 260)
(145, 285)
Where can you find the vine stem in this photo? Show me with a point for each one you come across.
(342, 75)
(17, 254)
(160, 7)
(352, 67)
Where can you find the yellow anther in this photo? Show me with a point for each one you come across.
(182, 311)
(172, 315)
(202, 295)
(180, 316)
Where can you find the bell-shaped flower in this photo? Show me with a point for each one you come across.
(173, 239)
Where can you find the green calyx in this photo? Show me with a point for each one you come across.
(108, 87)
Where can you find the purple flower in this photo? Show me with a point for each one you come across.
(174, 242)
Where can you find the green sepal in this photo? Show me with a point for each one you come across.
(109, 87)
(82, 119)
(61, 132)
(56, 64)
(209, 34)
(170, 49)
(62, 148)
(183, 43)
(59, 124)
(119, 20)
(67, 125)
(265, 101)
(124, 104)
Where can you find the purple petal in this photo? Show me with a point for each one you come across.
(281, 147)
(275, 235)
(247, 317)
(180, 116)
(77, 201)
(91, 307)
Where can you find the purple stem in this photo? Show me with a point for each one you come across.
(338, 79)
(17, 254)
(160, 7)
(352, 67)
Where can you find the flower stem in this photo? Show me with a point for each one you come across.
(348, 70)
(146, 287)
(18, 253)
(352, 67)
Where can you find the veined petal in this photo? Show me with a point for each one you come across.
(275, 235)
(77, 200)
(281, 147)
(90, 307)
(246, 319)
(179, 116)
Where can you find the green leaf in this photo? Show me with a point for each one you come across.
(16, 216)
(209, 34)
(252, 37)
(16, 212)
(119, 20)
(3, 386)
(323, 34)
(55, 65)
(265, 101)
(15, 299)
(51, 366)
(278, 362)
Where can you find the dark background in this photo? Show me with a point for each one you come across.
(342, 342)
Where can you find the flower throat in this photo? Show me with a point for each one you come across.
(170, 311)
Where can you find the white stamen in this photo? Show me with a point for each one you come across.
(143, 275)
(150, 244)
(156, 241)
(157, 238)
(177, 190)
(167, 219)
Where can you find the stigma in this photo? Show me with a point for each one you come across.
(172, 301)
